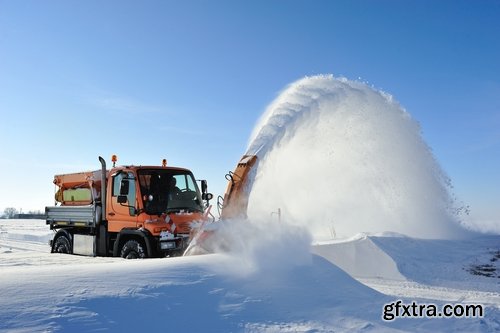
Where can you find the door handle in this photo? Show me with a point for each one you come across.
(111, 214)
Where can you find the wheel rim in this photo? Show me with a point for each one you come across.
(62, 245)
(132, 255)
(132, 249)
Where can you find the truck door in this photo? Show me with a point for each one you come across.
(122, 213)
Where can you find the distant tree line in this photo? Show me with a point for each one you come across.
(12, 213)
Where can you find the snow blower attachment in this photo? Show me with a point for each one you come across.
(206, 238)
(235, 201)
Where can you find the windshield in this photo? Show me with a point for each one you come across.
(165, 191)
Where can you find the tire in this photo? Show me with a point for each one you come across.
(62, 245)
(132, 249)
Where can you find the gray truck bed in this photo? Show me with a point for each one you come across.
(77, 216)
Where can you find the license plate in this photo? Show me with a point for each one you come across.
(167, 245)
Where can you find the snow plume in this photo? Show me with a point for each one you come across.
(339, 157)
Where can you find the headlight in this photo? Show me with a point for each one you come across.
(164, 235)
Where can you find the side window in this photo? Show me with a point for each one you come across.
(191, 186)
(131, 191)
(117, 183)
(185, 182)
(180, 182)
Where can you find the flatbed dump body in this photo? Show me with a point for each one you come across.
(76, 216)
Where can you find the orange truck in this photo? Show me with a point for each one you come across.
(127, 211)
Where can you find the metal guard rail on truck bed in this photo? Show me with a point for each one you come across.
(77, 216)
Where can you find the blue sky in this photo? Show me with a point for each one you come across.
(187, 80)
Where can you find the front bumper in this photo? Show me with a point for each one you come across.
(173, 245)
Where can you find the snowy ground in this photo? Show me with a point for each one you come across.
(342, 286)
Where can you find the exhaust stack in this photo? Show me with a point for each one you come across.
(103, 188)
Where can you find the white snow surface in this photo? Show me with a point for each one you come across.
(337, 286)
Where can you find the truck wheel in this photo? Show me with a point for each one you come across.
(62, 245)
(132, 249)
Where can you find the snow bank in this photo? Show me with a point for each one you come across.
(446, 263)
(27, 230)
(435, 269)
(20, 236)
(360, 258)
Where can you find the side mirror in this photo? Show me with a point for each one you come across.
(124, 187)
(204, 186)
(122, 199)
(207, 196)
